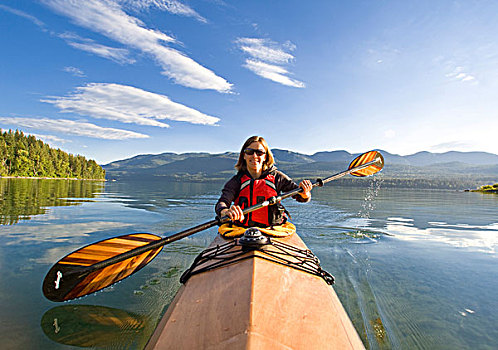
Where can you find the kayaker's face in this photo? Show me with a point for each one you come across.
(254, 161)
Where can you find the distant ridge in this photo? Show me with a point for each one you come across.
(334, 156)
(418, 159)
(423, 158)
(423, 169)
(289, 156)
(428, 158)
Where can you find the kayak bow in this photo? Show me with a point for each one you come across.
(253, 300)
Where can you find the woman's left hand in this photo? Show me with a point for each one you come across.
(307, 187)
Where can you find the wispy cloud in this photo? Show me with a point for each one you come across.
(109, 19)
(267, 59)
(74, 71)
(449, 146)
(116, 54)
(128, 104)
(71, 127)
(24, 15)
(49, 138)
(172, 6)
(266, 50)
(272, 72)
(459, 74)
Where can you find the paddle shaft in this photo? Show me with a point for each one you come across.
(317, 183)
(321, 182)
(153, 245)
(215, 222)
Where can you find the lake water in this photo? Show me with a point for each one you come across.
(415, 269)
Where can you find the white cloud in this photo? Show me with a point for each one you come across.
(49, 138)
(172, 6)
(449, 146)
(24, 15)
(264, 50)
(267, 59)
(108, 18)
(459, 74)
(74, 71)
(468, 78)
(71, 127)
(112, 53)
(128, 104)
(272, 72)
(116, 54)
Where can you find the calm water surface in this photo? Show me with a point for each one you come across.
(414, 269)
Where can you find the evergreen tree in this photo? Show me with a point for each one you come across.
(22, 155)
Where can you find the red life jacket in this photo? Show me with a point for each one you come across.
(257, 191)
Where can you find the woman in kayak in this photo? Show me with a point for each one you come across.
(257, 180)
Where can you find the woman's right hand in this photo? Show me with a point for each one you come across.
(234, 213)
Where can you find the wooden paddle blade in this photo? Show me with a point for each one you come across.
(74, 276)
(367, 158)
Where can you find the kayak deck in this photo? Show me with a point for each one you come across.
(255, 304)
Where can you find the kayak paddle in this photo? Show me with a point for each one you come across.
(99, 265)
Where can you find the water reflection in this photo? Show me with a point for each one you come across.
(20, 199)
(93, 326)
(153, 194)
(481, 238)
(58, 233)
(422, 280)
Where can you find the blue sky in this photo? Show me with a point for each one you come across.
(113, 79)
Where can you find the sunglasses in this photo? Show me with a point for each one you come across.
(251, 151)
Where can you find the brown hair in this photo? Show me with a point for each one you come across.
(269, 161)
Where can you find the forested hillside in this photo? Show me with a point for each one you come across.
(450, 170)
(22, 155)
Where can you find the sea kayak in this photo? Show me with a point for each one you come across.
(249, 294)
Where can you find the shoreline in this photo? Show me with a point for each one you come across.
(484, 191)
(487, 189)
(48, 178)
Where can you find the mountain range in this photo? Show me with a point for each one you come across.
(422, 169)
